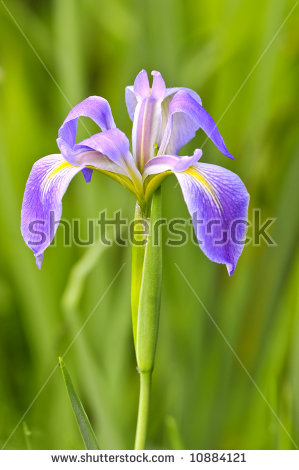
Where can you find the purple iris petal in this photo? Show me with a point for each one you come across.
(131, 101)
(41, 209)
(94, 107)
(186, 116)
(158, 86)
(141, 85)
(141, 89)
(218, 203)
(146, 128)
(113, 144)
(170, 163)
(170, 92)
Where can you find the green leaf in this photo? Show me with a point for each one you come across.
(86, 430)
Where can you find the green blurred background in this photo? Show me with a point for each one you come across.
(202, 397)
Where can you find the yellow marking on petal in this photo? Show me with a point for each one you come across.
(59, 167)
(192, 171)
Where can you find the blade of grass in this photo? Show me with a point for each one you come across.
(86, 430)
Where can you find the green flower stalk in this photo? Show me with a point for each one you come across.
(146, 296)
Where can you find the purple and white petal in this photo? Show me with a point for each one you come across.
(170, 163)
(137, 92)
(141, 85)
(169, 95)
(218, 203)
(170, 92)
(146, 129)
(186, 116)
(141, 89)
(112, 145)
(158, 87)
(131, 101)
(94, 107)
(41, 209)
(108, 150)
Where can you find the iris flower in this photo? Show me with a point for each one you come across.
(164, 120)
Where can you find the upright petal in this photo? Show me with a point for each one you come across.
(141, 89)
(131, 101)
(41, 209)
(146, 129)
(218, 203)
(158, 86)
(186, 116)
(144, 107)
(141, 85)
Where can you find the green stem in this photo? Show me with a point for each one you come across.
(143, 410)
(138, 251)
(146, 295)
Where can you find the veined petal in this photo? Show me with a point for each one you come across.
(41, 209)
(94, 107)
(186, 116)
(169, 94)
(170, 163)
(114, 145)
(141, 89)
(146, 129)
(108, 150)
(144, 107)
(218, 203)
(149, 110)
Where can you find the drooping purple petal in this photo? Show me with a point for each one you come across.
(169, 95)
(94, 107)
(170, 163)
(41, 209)
(170, 92)
(186, 116)
(218, 203)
